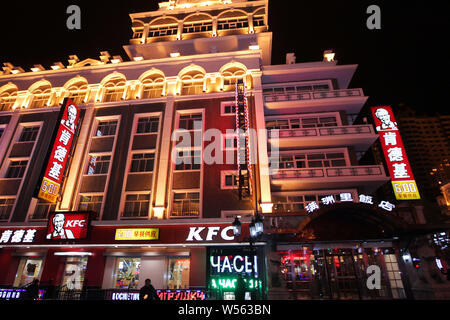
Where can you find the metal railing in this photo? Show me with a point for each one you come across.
(294, 96)
(321, 131)
(329, 172)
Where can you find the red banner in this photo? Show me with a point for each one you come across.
(62, 144)
(405, 187)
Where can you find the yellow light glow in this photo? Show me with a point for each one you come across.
(329, 55)
(254, 47)
(55, 67)
(174, 54)
(115, 60)
(14, 71)
(140, 58)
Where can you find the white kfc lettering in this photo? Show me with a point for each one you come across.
(75, 223)
(212, 231)
(195, 233)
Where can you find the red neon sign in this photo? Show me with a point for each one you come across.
(68, 226)
(53, 176)
(405, 187)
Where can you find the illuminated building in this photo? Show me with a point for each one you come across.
(159, 210)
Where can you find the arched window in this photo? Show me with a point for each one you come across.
(138, 29)
(258, 17)
(77, 90)
(163, 27)
(152, 86)
(114, 89)
(8, 97)
(41, 95)
(232, 20)
(233, 72)
(192, 82)
(197, 23)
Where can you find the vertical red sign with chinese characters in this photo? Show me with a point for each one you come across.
(405, 187)
(54, 172)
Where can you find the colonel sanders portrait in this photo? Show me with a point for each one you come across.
(59, 232)
(385, 118)
(71, 117)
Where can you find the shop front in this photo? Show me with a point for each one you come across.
(113, 261)
(346, 251)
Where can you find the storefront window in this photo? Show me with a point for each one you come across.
(29, 269)
(74, 273)
(127, 273)
(179, 273)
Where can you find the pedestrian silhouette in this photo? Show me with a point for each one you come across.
(148, 292)
(240, 288)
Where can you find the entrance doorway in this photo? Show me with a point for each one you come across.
(340, 273)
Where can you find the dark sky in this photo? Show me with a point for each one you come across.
(401, 63)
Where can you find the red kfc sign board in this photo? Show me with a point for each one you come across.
(57, 160)
(405, 187)
(68, 226)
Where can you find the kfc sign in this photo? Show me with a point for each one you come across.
(210, 233)
(68, 226)
(405, 187)
(57, 160)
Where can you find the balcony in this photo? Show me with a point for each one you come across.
(350, 100)
(369, 177)
(360, 136)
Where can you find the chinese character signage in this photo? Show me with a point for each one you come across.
(405, 187)
(18, 236)
(137, 234)
(68, 226)
(54, 172)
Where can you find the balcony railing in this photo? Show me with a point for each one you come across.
(318, 95)
(322, 132)
(358, 171)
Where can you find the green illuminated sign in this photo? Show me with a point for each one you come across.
(230, 283)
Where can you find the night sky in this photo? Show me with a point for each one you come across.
(401, 63)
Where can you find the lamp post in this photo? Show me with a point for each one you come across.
(256, 229)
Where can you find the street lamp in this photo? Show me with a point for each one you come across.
(237, 227)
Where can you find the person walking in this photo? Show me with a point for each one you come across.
(240, 288)
(32, 290)
(148, 292)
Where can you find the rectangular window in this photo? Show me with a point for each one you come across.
(258, 21)
(90, 203)
(178, 275)
(197, 27)
(188, 160)
(114, 94)
(147, 125)
(187, 121)
(106, 128)
(6, 205)
(29, 269)
(186, 204)
(42, 210)
(16, 169)
(40, 100)
(126, 273)
(78, 96)
(136, 205)
(192, 87)
(98, 165)
(29, 134)
(152, 91)
(6, 103)
(163, 31)
(142, 162)
(229, 180)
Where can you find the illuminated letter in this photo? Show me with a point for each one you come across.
(74, 21)
(374, 21)
(215, 265)
(226, 264)
(224, 234)
(239, 270)
(194, 232)
(212, 231)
